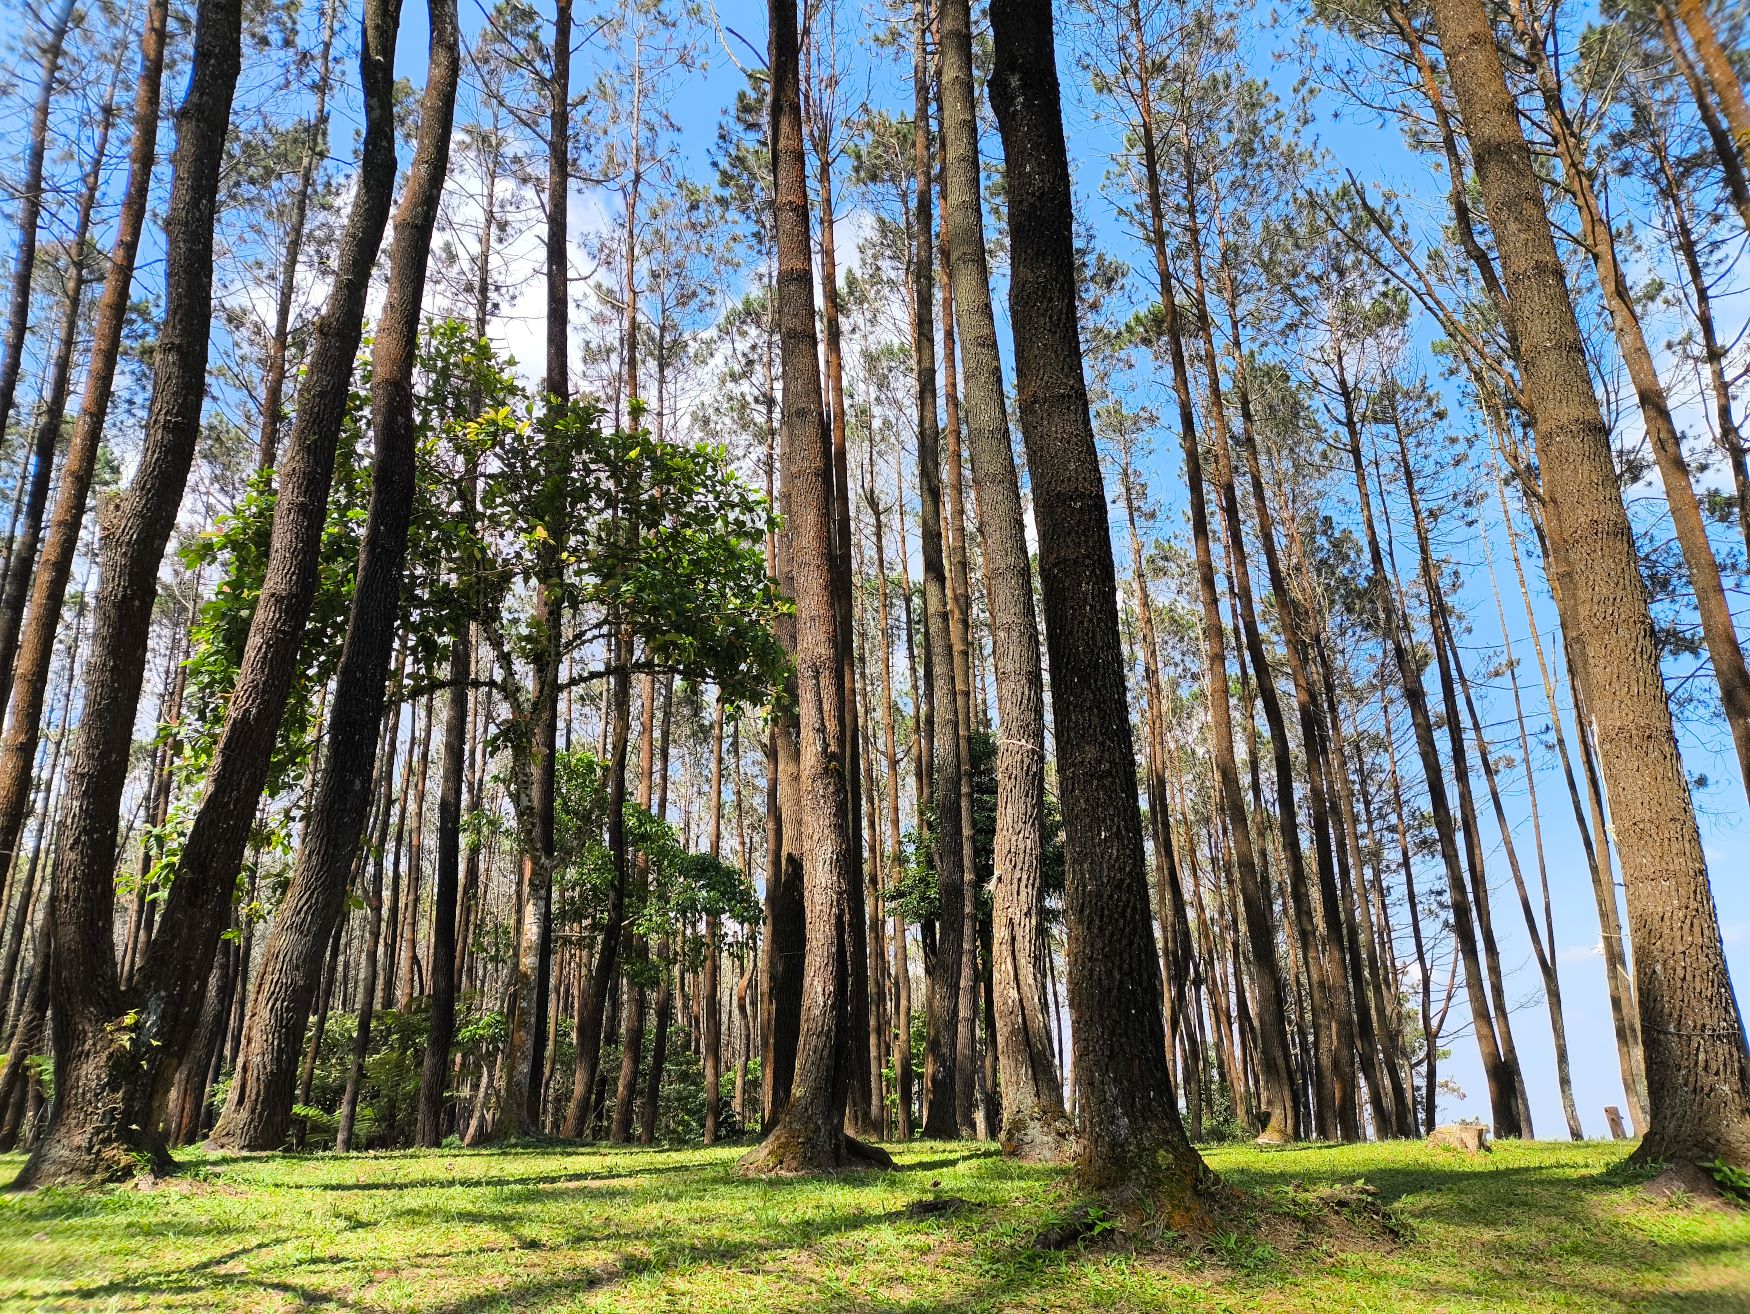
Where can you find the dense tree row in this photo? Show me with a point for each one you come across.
(726, 728)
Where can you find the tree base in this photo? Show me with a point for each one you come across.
(63, 1158)
(1039, 1137)
(786, 1153)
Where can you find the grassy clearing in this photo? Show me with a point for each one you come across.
(1529, 1227)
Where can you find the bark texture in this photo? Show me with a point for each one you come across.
(1131, 1135)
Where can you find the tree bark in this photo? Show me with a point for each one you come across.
(1034, 1123)
(809, 1134)
(103, 1110)
(1131, 1135)
(1698, 1074)
(338, 812)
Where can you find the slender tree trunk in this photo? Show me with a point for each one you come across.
(711, 985)
(809, 1134)
(1730, 154)
(1599, 238)
(939, 732)
(315, 145)
(53, 409)
(30, 200)
(1726, 431)
(1717, 67)
(54, 567)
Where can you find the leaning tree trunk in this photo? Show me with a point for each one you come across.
(287, 979)
(1034, 1123)
(199, 900)
(1131, 1135)
(809, 1135)
(52, 411)
(1698, 1073)
(30, 206)
(103, 1121)
(315, 147)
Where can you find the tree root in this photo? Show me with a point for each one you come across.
(786, 1153)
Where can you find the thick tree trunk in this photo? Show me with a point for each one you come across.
(1131, 1135)
(1034, 1123)
(104, 1119)
(256, 1118)
(1698, 1073)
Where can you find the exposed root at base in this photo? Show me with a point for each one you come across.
(785, 1153)
(1216, 1222)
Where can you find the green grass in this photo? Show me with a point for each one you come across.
(1529, 1227)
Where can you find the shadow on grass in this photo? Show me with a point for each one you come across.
(1486, 1234)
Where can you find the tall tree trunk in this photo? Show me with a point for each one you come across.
(1730, 154)
(711, 985)
(435, 1069)
(1503, 1100)
(1131, 1133)
(53, 409)
(103, 1115)
(1034, 1123)
(206, 871)
(940, 732)
(809, 1134)
(338, 811)
(901, 965)
(960, 649)
(1625, 1014)
(1726, 431)
(1688, 525)
(367, 997)
(54, 567)
(407, 958)
(820, 109)
(1718, 69)
(1698, 1073)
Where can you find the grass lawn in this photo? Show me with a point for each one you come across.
(1528, 1227)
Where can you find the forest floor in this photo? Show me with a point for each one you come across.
(1538, 1226)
